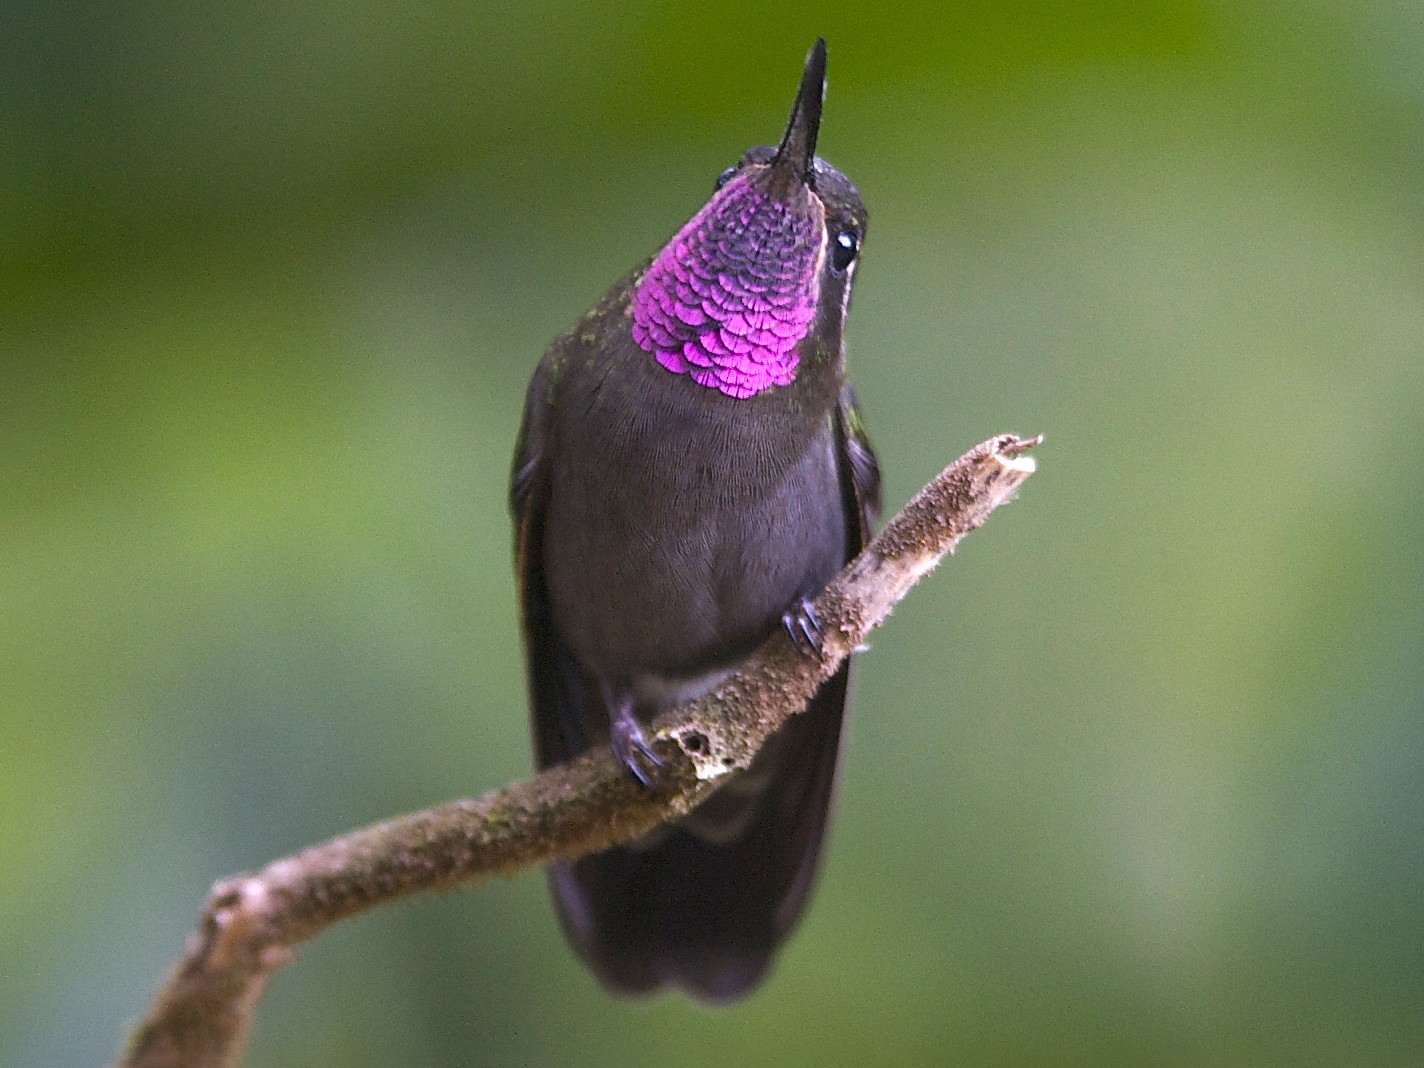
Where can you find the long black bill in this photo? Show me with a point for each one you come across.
(798, 145)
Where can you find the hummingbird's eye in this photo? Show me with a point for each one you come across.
(725, 177)
(843, 249)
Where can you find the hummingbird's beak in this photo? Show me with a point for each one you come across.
(797, 151)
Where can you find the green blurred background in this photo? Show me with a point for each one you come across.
(1137, 779)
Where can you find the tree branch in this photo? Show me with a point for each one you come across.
(202, 1016)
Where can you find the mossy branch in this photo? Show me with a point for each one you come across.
(202, 1016)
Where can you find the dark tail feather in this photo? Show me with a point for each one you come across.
(704, 904)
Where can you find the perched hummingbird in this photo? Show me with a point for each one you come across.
(691, 470)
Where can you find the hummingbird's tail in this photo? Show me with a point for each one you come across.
(704, 903)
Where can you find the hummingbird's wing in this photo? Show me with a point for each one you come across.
(567, 710)
(860, 472)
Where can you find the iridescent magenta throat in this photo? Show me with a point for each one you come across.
(730, 297)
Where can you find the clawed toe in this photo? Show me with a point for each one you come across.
(804, 628)
(634, 751)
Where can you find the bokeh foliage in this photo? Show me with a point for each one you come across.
(1136, 779)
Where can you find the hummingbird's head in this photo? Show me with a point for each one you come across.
(730, 298)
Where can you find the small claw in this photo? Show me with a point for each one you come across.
(632, 748)
(804, 627)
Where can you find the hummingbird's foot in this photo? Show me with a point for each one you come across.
(805, 629)
(630, 746)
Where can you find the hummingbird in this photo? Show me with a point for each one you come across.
(690, 472)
